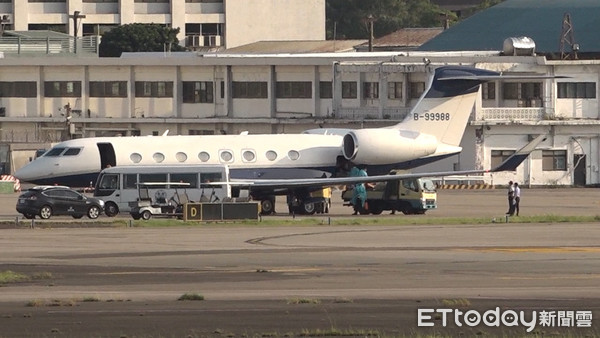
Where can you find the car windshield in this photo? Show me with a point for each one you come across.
(427, 185)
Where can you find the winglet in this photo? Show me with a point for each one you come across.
(511, 163)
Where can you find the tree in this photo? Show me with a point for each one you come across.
(139, 37)
(348, 17)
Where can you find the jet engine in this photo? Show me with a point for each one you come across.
(385, 146)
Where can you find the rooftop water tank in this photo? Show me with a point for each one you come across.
(521, 45)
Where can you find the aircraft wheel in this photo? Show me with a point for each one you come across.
(111, 209)
(29, 216)
(308, 208)
(267, 207)
(46, 212)
(93, 212)
(136, 217)
(146, 215)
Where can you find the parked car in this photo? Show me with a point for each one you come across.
(46, 201)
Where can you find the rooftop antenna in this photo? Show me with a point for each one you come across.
(567, 38)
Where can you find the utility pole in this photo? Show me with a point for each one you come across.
(370, 20)
(76, 15)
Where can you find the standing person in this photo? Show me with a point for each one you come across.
(359, 193)
(517, 198)
(511, 198)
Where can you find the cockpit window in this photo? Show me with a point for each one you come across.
(54, 152)
(72, 151)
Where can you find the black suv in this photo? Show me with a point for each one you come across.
(45, 201)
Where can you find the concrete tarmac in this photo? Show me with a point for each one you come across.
(305, 280)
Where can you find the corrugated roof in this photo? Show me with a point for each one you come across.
(321, 46)
(539, 20)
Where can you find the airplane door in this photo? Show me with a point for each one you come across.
(107, 155)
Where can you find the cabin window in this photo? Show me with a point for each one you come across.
(135, 158)
(54, 152)
(554, 160)
(271, 155)
(154, 178)
(190, 178)
(181, 156)
(211, 177)
(72, 152)
(293, 155)
(203, 156)
(226, 156)
(110, 181)
(158, 157)
(130, 181)
(248, 156)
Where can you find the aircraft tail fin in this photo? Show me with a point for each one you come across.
(444, 109)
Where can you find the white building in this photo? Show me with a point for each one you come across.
(191, 93)
(202, 23)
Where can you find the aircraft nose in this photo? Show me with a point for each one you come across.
(30, 172)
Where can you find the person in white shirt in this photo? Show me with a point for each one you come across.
(517, 197)
(511, 199)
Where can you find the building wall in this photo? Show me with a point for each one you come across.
(245, 21)
(263, 20)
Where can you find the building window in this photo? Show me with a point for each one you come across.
(249, 90)
(201, 132)
(294, 90)
(521, 90)
(47, 0)
(151, 1)
(488, 91)
(198, 92)
(554, 160)
(18, 89)
(93, 1)
(499, 156)
(371, 90)
(153, 89)
(416, 89)
(203, 1)
(108, 88)
(62, 89)
(394, 90)
(577, 90)
(349, 90)
(325, 90)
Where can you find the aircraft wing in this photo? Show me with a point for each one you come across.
(510, 164)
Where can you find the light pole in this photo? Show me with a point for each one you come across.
(76, 15)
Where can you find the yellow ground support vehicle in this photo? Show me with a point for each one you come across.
(410, 196)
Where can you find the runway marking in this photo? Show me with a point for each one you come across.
(536, 249)
(591, 276)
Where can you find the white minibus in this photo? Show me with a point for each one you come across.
(117, 186)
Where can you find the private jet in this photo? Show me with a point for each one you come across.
(430, 132)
